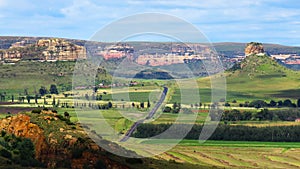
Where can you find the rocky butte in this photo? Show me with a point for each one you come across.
(254, 48)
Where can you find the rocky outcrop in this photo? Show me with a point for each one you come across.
(57, 144)
(44, 49)
(58, 49)
(21, 126)
(254, 48)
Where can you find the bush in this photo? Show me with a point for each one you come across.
(167, 109)
(3, 133)
(258, 104)
(100, 165)
(36, 111)
(134, 161)
(5, 153)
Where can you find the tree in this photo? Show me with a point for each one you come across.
(28, 99)
(42, 91)
(45, 101)
(132, 104)
(53, 89)
(36, 99)
(58, 102)
(227, 104)
(273, 103)
(279, 103)
(258, 104)
(142, 105)
(110, 105)
(148, 104)
(287, 103)
(25, 91)
(53, 101)
(87, 96)
(167, 109)
(67, 115)
(95, 89)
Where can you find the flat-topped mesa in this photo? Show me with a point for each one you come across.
(254, 48)
(58, 49)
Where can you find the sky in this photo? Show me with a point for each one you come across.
(266, 21)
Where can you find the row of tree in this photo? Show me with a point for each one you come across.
(222, 132)
(262, 115)
(272, 103)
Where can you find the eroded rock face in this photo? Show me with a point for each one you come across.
(44, 49)
(254, 48)
(58, 49)
(21, 126)
(63, 147)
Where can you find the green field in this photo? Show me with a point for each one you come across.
(232, 154)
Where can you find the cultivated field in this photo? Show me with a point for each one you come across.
(234, 154)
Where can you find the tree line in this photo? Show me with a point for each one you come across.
(262, 103)
(224, 132)
(262, 115)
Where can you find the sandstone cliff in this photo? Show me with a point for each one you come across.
(254, 48)
(58, 49)
(44, 49)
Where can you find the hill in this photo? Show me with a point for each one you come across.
(260, 76)
(44, 138)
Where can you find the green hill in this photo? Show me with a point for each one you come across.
(258, 76)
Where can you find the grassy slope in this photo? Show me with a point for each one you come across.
(264, 78)
(32, 75)
(260, 78)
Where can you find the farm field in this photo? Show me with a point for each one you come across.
(234, 154)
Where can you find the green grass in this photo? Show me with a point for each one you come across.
(133, 96)
(233, 154)
(32, 75)
(226, 143)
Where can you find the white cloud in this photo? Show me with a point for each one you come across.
(229, 20)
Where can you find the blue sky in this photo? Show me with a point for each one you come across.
(268, 21)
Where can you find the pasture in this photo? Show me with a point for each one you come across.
(233, 154)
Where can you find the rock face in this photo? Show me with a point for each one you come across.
(44, 49)
(58, 49)
(20, 126)
(58, 147)
(254, 48)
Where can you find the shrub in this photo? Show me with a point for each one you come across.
(134, 161)
(5, 153)
(167, 109)
(100, 164)
(36, 111)
(3, 133)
